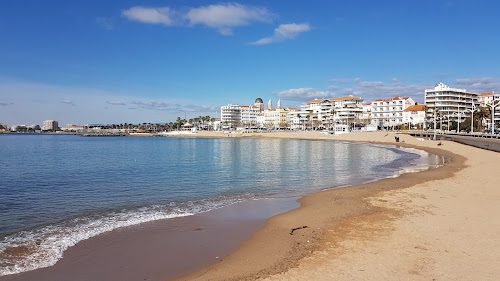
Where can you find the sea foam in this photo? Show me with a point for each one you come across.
(43, 246)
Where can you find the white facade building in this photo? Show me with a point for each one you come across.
(230, 115)
(249, 115)
(414, 115)
(324, 113)
(450, 103)
(487, 98)
(50, 125)
(366, 115)
(389, 112)
(234, 115)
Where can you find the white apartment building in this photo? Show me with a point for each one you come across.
(389, 112)
(328, 111)
(414, 115)
(234, 115)
(487, 98)
(366, 115)
(230, 115)
(249, 115)
(50, 125)
(297, 119)
(449, 102)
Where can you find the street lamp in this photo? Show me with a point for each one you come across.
(493, 105)
(472, 116)
(458, 114)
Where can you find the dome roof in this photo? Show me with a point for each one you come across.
(259, 100)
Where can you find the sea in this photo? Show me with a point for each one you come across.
(57, 190)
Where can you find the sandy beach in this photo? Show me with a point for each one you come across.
(438, 224)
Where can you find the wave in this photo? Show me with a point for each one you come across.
(43, 246)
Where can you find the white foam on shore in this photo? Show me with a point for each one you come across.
(44, 246)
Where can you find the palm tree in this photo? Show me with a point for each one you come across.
(483, 113)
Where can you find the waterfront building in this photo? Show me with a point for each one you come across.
(487, 98)
(328, 111)
(389, 112)
(234, 115)
(366, 115)
(74, 128)
(414, 115)
(50, 125)
(450, 103)
(249, 115)
(230, 115)
(298, 119)
(276, 118)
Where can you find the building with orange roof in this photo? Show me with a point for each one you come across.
(251, 116)
(389, 112)
(487, 98)
(414, 115)
(324, 113)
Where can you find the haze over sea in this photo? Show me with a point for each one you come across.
(60, 189)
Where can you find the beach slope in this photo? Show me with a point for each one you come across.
(440, 224)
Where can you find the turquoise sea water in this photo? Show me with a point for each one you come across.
(56, 190)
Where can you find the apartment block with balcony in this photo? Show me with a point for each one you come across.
(389, 112)
(451, 103)
(328, 111)
(230, 115)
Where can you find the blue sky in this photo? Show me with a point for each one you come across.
(139, 61)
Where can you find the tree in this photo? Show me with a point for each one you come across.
(484, 113)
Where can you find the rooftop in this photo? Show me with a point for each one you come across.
(418, 107)
(394, 98)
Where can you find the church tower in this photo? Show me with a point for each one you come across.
(259, 103)
(278, 105)
(269, 104)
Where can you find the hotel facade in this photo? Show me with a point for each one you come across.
(389, 112)
(450, 103)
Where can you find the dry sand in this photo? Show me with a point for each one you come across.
(441, 224)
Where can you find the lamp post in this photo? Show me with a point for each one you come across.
(434, 123)
(472, 117)
(493, 105)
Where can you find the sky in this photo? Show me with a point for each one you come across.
(136, 61)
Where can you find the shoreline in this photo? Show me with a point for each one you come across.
(66, 264)
(365, 213)
(323, 211)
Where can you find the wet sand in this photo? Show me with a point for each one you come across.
(162, 249)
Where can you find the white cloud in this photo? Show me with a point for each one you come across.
(154, 15)
(31, 103)
(370, 90)
(115, 102)
(478, 84)
(303, 94)
(284, 32)
(158, 105)
(224, 17)
(68, 102)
